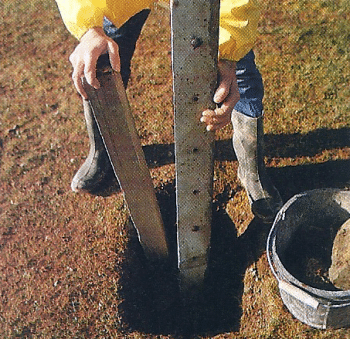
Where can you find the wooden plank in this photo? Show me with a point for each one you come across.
(115, 121)
(194, 26)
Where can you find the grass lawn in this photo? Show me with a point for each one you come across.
(69, 265)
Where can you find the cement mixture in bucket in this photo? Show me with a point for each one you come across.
(339, 271)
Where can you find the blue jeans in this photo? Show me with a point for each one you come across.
(249, 80)
(126, 37)
(250, 87)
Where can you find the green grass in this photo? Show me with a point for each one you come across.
(306, 69)
(68, 265)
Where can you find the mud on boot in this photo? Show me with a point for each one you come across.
(247, 142)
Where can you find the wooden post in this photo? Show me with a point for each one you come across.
(194, 27)
(115, 121)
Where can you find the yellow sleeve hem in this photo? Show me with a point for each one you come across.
(80, 16)
(238, 28)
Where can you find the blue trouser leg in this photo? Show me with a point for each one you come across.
(126, 37)
(250, 87)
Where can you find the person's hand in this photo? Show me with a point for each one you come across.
(84, 58)
(226, 96)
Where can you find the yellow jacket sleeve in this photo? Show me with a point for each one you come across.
(238, 28)
(81, 15)
(238, 20)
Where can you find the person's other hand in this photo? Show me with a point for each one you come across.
(226, 96)
(84, 58)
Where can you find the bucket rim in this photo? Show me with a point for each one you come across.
(340, 296)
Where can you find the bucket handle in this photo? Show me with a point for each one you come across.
(298, 294)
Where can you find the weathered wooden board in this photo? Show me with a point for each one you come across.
(194, 27)
(115, 121)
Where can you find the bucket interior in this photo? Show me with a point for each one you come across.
(306, 232)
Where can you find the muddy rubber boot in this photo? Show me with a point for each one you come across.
(96, 172)
(247, 141)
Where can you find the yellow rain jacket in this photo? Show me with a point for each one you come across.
(238, 20)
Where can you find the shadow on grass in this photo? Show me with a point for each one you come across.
(281, 145)
(152, 301)
(284, 146)
(291, 180)
(293, 145)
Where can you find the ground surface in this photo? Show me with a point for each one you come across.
(68, 266)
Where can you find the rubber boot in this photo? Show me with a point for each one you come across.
(247, 141)
(96, 172)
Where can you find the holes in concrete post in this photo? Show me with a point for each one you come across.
(195, 192)
(196, 42)
(195, 228)
(193, 150)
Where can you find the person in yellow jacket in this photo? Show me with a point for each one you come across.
(108, 30)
